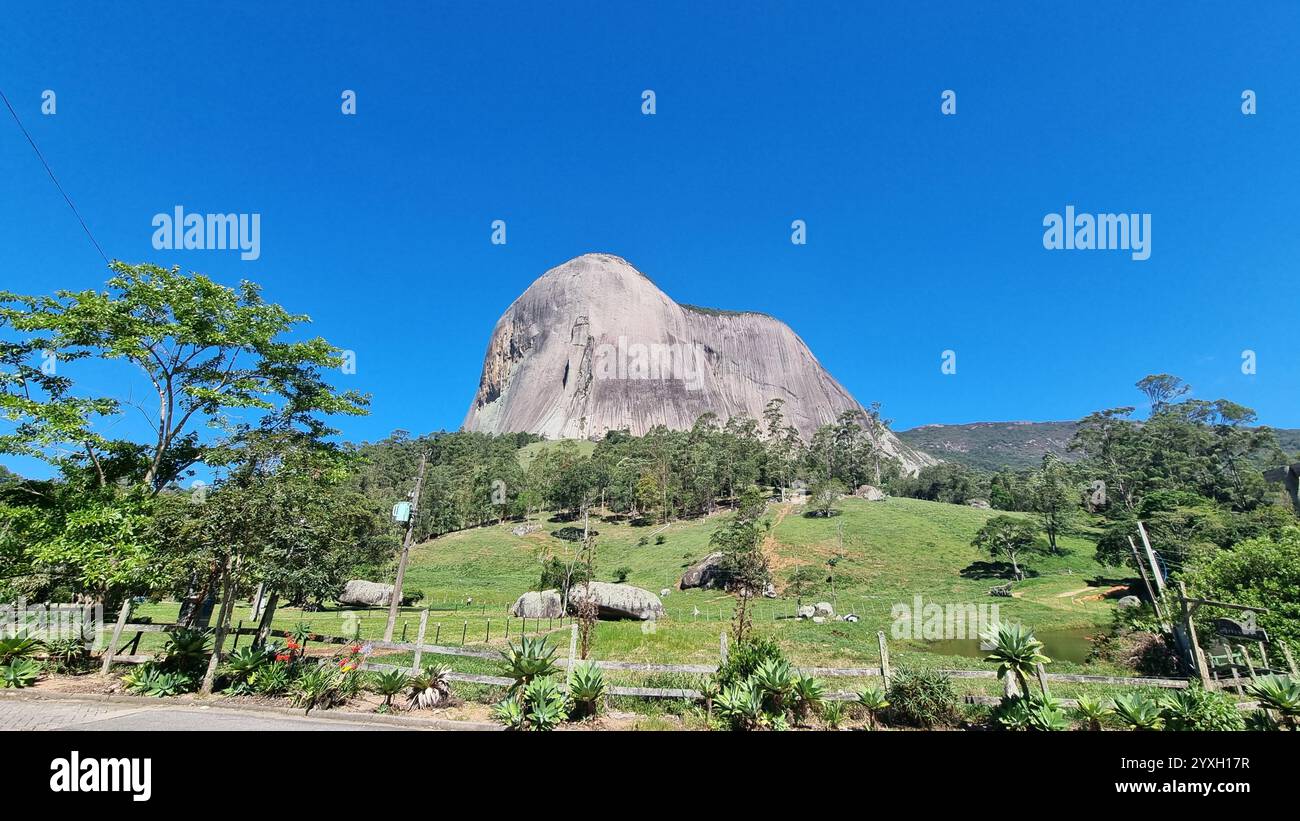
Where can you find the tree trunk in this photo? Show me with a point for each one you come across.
(268, 613)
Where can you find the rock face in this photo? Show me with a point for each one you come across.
(618, 601)
(360, 593)
(594, 345)
(707, 572)
(533, 605)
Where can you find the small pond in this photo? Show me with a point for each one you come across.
(1058, 645)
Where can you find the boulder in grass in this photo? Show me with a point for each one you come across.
(1129, 602)
(979, 504)
(870, 492)
(361, 593)
(617, 601)
(534, 605)
(705, 573)
(807, 611)
(824, 608)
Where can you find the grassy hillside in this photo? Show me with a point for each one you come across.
(892, 551)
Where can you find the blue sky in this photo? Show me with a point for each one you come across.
(924, 231)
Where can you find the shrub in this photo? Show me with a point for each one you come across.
(660, 539)
(874, 702)
(1091, 712)
(317, 686)
(150, 679)
(833, 714)
(807, 695)
(186, 651)
(922, 698)
(1280, 695)
(271, 679)
(68, 654)
(621, 574)
(241, 665)
(745, 657)
(540, 706)
(1198, 709)
(1042, 713)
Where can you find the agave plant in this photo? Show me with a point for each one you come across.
(776, 680)
(151, 680)
(1259, 721)
(586, 689)
(807, 695)
(833, 714)
(1016, 652)
(1046, 715)
(872, 699)
(429, 688)
(741, 705)
(388, 684)
(1091, 712)
(17, 647)
(1137, 712)
(532, 658)
(547, 705)
(186, 649)
(1013, 714)
(1198, 709)
(510, 713)
(241, 665)
(19, 672)
(1281, 695)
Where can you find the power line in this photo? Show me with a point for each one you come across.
(50, 171)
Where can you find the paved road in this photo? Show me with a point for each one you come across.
(82, 715)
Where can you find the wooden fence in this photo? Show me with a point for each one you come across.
(419, 647)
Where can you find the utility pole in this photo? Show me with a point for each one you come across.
(396, 598)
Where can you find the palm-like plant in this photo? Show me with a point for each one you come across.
(388, 684)
(872, 699)
(807, 694)
(1016, 652)
(709, 690)
(1138, 712)
(586, 688)
(1092, 711)
(1281, 695)
(531, 659)
(428, 688)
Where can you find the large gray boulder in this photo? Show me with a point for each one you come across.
(617, 601)
(533, 605)
(870, 492)
(707, 572)
(361, 593)
(593, 346)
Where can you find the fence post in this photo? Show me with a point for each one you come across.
(1042, 679)
(463, 631)
(722, 646)
(884, 658)
(1236, 680)
(487, 633)
(573, 651)
(437, 633)
(419, 641)
(1250, 665)
(122, 616)
(1290, 662)
(238, 628)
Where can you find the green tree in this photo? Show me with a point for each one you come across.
(1054, 499)
(1008, 537)
(743, 561)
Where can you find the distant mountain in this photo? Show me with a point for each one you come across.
(593, 345)
(993, 445)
